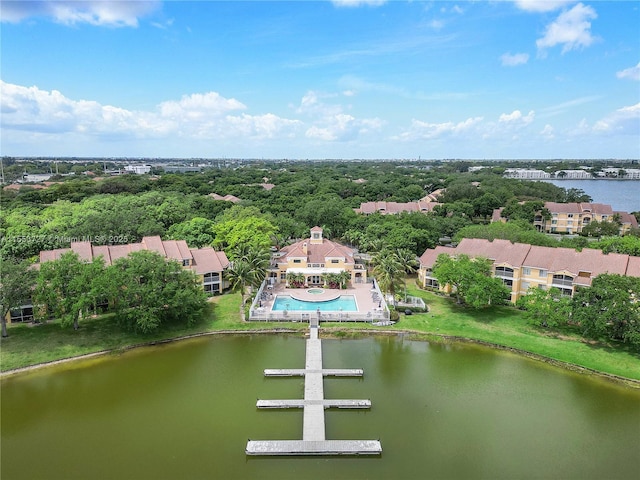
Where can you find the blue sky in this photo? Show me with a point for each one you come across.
(321, 79)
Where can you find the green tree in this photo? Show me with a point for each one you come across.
(68, 287)
(148, 292)
(16, 281)
(388, 271)
(546, 308)
(243, 226)
(610, 308)
(470, 279)
(197, 232)
(601, 229)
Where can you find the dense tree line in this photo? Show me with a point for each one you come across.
(143, 289)
(607, 310)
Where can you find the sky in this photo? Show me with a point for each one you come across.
(341, 79)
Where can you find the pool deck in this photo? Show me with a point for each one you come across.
(361, 291)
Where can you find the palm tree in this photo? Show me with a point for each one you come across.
(389, 272)
(258, 260)
(344, 278)
(409, 262)
(240, 275)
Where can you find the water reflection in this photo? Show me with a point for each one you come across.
(440, 410)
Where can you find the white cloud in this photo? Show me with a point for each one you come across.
(358, 3)
(625, 121)
(516, 118)
(547, 132)
(329, 122)
(71, 12)
(199, 105)
(509, 60)
(427, 131)
(632, 73)
(195, 116)
(572, 29)
(541, 5)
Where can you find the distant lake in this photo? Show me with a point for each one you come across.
(622, 195)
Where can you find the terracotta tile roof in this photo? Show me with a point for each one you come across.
(104, 251)
(589, 261)
(83, 249)
(207, 260)
(177, 250)
(393, 208)
(204, 260)
(633, 267)
(627, 218)
(316, 252)
(50, 255)
(154, 244)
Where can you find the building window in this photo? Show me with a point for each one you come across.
(185, 262)
(526, 270)
(283, 275)
(297, 260)
(542, 273)
(524, 286)
(569, 215)
(335, 261)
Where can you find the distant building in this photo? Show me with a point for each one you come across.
(181, 169)
(137, 169)
(521, 266)
(226, 198)
(526, 174)
(571, 218)
(424, 205)
(394, 208)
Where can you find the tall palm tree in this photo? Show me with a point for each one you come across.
(258, 260)
(240, 275)
(409, 262)
(388, 271)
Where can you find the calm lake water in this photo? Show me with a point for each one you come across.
(186, 410)
(622, 195)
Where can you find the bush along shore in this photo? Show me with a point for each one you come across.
(30, 347)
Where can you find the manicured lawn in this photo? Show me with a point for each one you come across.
(28, 345)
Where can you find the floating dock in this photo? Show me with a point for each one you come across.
(313, 430)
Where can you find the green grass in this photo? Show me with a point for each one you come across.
(504, 326)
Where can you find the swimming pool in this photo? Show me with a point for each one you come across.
(344, 303)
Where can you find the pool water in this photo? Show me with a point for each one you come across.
(344, 303)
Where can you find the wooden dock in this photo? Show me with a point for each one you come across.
(313, 429)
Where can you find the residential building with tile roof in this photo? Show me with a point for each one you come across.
(571, 218)
(207, 263)
(521, 266)
(313, 257)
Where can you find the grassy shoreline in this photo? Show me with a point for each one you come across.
(500, 327)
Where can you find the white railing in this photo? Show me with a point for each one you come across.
(264, 315)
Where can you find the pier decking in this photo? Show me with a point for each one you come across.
(313, 429)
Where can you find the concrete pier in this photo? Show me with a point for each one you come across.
(313, 429)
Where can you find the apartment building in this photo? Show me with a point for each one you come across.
(207, 263)
(521, 266)
(571, 218)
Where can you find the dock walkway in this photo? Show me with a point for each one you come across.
(313, 429)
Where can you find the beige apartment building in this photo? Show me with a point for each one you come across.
(522, 266)
(571, 218)
(314, 257)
